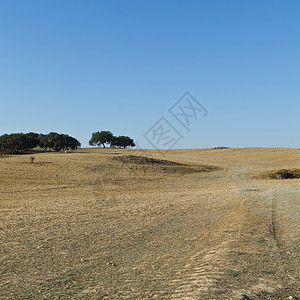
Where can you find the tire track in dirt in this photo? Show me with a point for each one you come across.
(198, 279)
(264, 199)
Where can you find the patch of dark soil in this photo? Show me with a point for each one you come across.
(281, 174)
(38, 163)
(145, 160)
(165, 165)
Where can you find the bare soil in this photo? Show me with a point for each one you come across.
(178, 224)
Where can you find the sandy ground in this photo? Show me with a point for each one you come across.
(86, 225)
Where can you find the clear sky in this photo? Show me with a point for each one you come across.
(77, 67)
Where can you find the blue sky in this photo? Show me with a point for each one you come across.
(81, 66)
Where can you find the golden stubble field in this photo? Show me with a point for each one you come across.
(110, 224)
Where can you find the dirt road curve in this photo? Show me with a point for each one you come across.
(191, 224)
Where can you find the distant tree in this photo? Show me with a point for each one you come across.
(101, 138)
(114, 142)
(58, 142)
(32, 140)
(50, 141)
(44, 141)
(122, 142)
(17, 142)
(9, 142)
(70, 143)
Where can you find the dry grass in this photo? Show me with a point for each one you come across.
(115, 224)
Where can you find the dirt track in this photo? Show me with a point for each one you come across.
(87, 226)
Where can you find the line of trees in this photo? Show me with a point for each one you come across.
(20, 142)
(104, 138)
(58, 142)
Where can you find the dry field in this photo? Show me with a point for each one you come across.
(109, 224)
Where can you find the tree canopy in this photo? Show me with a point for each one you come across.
(58, 142)
(18, 142)
(103, 138)
(122, 142)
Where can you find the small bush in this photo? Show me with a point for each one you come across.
(222, 147)
(281, 174)
(232, 273)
